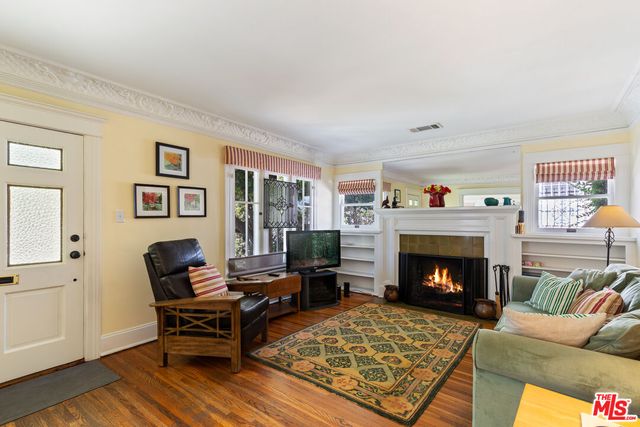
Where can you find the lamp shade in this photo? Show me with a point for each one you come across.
(611, 216)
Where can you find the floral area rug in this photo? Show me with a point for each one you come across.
(388, 359)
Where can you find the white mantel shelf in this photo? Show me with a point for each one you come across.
(464, 210)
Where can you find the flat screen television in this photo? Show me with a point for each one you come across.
(311, 250)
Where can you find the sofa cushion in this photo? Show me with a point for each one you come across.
(207, 281)
(517, 306)
(621, 336)
(604, 301)
(624, 280)
(175, 256)
(594, 279)
(568, 329)
(631, 296)
(554, 294)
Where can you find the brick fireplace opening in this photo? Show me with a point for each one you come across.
(442, 283)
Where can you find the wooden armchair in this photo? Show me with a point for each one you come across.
(213, 326)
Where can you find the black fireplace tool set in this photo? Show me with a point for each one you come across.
(501, 276)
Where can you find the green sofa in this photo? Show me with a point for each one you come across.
(504, 363)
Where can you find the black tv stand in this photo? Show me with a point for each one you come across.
(319, 289)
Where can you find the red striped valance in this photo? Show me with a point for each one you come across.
(357, 186)
(576, 170)
(251, 159)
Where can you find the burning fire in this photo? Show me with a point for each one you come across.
(442, 282)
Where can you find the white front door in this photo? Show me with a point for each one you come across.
(41, 249)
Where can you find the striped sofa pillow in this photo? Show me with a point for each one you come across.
(555, 294)
(207, 281)
(604, 301)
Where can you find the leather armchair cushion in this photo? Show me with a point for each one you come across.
(176, 286)
(251, 307)
(176, 256)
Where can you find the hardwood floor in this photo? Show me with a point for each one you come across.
(203, 391)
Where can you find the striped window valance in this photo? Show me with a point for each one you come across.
(576, 170)
(357, 186)
(251, 159)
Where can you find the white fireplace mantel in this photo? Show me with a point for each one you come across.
(495, 224)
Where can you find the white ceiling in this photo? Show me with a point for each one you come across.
(348, 76)
(488, 167)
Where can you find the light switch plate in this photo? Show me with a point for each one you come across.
(119, 215)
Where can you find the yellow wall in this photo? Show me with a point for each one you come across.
(128, 157)
(620, 136)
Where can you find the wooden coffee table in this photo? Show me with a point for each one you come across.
(273, 287)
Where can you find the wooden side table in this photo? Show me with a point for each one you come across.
(273, 287)
(542, 407)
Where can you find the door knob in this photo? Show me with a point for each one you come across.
(74, 238)
(75, 254)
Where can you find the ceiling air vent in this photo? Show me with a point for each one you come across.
(427, 127)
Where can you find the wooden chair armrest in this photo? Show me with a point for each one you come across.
(200, 302)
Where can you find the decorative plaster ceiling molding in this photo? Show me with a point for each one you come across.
(53, 79)
(531, 132)
(629, 104)
(498, 180)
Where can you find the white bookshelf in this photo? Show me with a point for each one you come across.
(358, 261)
(560, 254)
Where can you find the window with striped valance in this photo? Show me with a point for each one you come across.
(252, 159)
(576, 170)
(357, 186)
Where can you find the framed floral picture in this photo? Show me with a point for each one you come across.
(151, 201)
(172, 161)
(192, 201)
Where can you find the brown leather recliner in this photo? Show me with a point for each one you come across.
(215, 326)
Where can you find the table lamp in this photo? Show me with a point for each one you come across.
(608, 217)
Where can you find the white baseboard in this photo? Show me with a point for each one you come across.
(127, 338)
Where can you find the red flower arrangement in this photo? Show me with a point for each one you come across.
(436, 189)
(436, 194)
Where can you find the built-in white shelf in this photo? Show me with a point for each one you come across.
(357, 246)
(564, 252)
(592, 258)
(349, 258)
(358, 260)
(352, 273)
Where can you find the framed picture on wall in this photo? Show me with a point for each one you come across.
(151, 201)
(192, 201)
(397, 193)
(172, 161)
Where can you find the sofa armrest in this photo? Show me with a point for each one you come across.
(523, 287)
(567, 370)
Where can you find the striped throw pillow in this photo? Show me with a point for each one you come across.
(555, 294)
(604, 301)
(207, 281)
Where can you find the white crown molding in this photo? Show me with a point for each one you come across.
(22, 70)
(629, 103)
(496, 138)
(32, 73)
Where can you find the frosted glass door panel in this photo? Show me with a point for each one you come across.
(34, 156)
(35, 221)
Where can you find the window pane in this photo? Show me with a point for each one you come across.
(307, 193)
(250, 230)
(576, 188)
(358, 198)
(240, 185)
(358, 215)
(240, 230)
(567, 213)
(34, 156)
(250, 185)
(300, 185)
(35, 222)
(276, 239)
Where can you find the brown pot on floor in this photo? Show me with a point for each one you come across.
(485, 308)
(391, 293)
